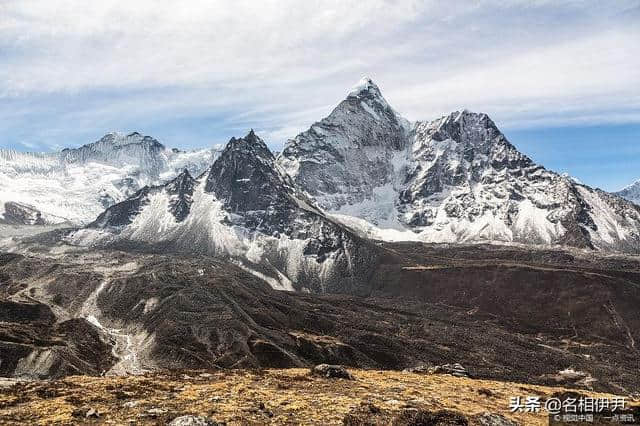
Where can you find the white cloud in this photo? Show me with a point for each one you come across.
(279, 65)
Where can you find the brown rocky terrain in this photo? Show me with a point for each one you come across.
(255, 397)
(504, 313)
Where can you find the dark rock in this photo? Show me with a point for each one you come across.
(456, 370)
(180, 191)
(491, 419)
(22, 214)
(331, 372)
(190, 420)
(419, 417)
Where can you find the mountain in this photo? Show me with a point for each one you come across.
(244, 208)
(453, 179)
(631, 192)
(354, 154)
(75, 185)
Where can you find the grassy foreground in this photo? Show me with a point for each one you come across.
(272, 396)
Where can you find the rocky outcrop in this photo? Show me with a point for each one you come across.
(331, 372)
(22, 214)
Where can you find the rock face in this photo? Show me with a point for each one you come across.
(118, 149)
(178, 192)
(244, 208)
(355, 151)
(75, 185)
(454, 179)
(22, 214)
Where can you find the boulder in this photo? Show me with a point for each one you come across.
(331, 372)
(192, 421)
(456, 370)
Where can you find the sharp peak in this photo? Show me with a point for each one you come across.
(183, 174)
(251, 140)
(252, 136)
(365, 85)
(249, 137)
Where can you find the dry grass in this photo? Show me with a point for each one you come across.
(255, 397)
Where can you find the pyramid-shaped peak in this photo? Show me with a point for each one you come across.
(184, 174)
(251, 139)
(250, 148)
(365, 86)
(183, 180)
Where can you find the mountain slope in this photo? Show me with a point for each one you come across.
(468, 183)
(503, 312)
(631, 192)
(453, 179)
(244, 208)
(354, 154)
(75, 185)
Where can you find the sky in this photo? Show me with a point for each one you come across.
(561, 79)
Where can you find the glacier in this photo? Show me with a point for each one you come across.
(74, 186)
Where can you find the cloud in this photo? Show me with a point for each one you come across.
(208, 70)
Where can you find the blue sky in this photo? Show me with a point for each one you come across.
(559, 78)
(605, 156)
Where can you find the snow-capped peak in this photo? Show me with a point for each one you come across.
(117, 139)
(631, 192)
(365, 85)
(76, 184)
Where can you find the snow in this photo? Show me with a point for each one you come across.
(205, 228)
(457, 175)
(609, 229)
(369, 110)
(532, 222)
(631, 192)
(364, 84)
(283, 284)
(74, 186)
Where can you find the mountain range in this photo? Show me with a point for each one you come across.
(369, 241)
(453, 179)
(75, 185)
(243, 207)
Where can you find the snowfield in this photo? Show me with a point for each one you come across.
(74, 186)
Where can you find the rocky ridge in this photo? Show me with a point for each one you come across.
(244, 208)
(453, 179)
